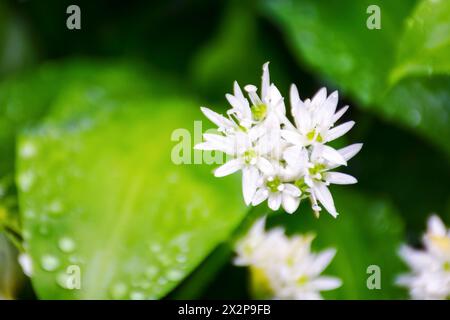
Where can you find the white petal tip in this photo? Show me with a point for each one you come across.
(250, 88)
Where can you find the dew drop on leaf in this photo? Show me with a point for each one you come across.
(49, 263)
(66, 244)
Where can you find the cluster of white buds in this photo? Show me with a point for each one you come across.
(282, 267)
(282, 161)
(430, 268)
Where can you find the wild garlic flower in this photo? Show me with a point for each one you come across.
(26, 264)
(281, 162)
(430, 268)
(282, 267)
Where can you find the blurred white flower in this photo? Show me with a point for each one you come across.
(283, 267)
(281, 162)
(430, 268)
(26, 264)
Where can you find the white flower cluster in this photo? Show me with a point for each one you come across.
(430, 276)
(282, 162)
(282, 267)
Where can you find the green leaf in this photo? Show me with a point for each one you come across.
(27, 98)
(425, 46)
(423, 104)
(333, 38)
(367, 232)
(365, 63)
(100, 192)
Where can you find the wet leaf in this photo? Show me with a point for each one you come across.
(100, 192)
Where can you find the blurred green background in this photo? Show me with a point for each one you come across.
(86, 133)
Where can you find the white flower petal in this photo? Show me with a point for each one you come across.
(294, 97)
(237, 91)
(328, 109)
(324, 196)
(296, 157)
(436, 227)
(293, 137)
(325, 283)
(277, 100)
(235, 102)
(217, 119)
(302, 118)
(319, 97)
(274, 201)
(292, 190)
(322, 261)
(205, 146)
(339, 114)
(308, 295)
(265, 166)
(265, 81)
(416, 259)
(339, 178)
(339, 131)
(290, 203)
(227, 168)
(26, 264)
(330, 154)
(331, 102)
(222, 143)
(249, 181)
(350, 151)
(261, 195)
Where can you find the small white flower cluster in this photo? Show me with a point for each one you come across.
(430, 276)
(282, 162)
(282, 267)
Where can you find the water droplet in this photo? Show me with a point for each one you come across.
(155, 247)
(175, 275)
(164, 259)
(27, 150)
(151, 272)
(119, 290)
(63, 279)
(49, 263)
(181, 258)
(30, 214)
(25, 180)
(55, 207)
(137, 295)
(66, 244)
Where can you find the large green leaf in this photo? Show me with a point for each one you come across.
(425, 46)
(368, 232)
(98, 189)
(25, 99)
(332, 37)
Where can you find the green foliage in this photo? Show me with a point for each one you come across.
(99, 190)
(88, 142)
(331, 36)
(425, 45)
